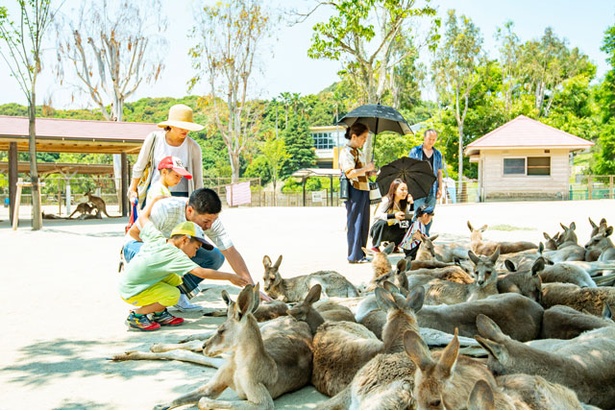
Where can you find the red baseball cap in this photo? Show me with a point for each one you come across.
(176, 165)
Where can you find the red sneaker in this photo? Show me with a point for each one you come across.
(166, 318)
(141, 322)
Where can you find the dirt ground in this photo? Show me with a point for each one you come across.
(63, 318)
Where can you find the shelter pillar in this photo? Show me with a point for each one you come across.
(124, 206)
(13, 175)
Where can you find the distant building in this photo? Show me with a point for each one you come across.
(327, 140)
(524, 159)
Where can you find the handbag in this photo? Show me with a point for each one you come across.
(374, 193)
(344, 187)
(146, 178)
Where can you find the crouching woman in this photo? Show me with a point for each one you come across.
(391, 219)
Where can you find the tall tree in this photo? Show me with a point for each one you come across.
(547, 63)
(22, 53)
(362, 35)
(113, 50)
(455, 73)
(229, 36)
(274, 151)
(299, 146)
(509, 61)
(365, 36)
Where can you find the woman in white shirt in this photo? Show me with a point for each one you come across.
(172, 141)
(391, 219)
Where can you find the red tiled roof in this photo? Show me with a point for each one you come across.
(523, 132)
(11, 126)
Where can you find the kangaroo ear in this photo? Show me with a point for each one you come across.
(313, 295)
(449, 356)
(470, 226)
(417, 350)
(481, 397)
(277, 263)
(245, 301)
(267, 262)
(384, 299)
(473, 256)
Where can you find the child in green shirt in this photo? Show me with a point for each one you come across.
(150, 279)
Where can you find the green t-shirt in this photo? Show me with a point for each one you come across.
(155, 261)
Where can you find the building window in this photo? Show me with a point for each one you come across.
(514, 166)
(531, 166)
(539, 166)
(323, 141)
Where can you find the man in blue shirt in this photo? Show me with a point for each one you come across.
(427, 152)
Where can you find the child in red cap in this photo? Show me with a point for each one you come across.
(171, 172)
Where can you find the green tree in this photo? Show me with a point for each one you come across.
(362, 35)
(455, 71)
(299, 146)
(22, 53)
(547, 63)
(275, 154)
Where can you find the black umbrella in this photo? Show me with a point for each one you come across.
(417, 174)
(378, 118)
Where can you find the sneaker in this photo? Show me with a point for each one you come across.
(166, 318)
(185, 305)
(141, 322)
(376, 249)
(361, 261)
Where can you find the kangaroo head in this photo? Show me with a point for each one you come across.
(302, 310)
(239, 319)
(432, 375)
(484, 267)
(271, 276)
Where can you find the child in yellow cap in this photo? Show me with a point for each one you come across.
(150, 279)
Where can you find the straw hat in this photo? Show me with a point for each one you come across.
(180, 116)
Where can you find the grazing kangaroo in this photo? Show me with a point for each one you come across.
(83, 208)
(260, 365)
(585, 364)
(295, 289)
(99, 204)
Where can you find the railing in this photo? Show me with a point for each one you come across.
(592, 187)
(584, 188)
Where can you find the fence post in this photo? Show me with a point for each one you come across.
(589, 187)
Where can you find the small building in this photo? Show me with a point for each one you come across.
(327, 140)
(524, 159)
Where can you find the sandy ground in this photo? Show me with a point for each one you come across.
(62, 317)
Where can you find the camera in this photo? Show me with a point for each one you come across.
(404, 224)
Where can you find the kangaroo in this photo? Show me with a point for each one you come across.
(445, 381)
(585, 364)
(83, 208)
(447, 292)
(487, 247)
(260, 365)
(305, 310)
(99, 204)
(295, 289)
(386, 380)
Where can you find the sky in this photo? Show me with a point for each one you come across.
(285, 66)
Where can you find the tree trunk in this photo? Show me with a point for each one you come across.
(234, 166)
(37, 216)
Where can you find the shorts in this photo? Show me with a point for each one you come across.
(165, 293)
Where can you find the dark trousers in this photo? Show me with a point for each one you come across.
(357, 222)
(382, 231)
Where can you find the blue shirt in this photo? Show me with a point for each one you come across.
(438, 164)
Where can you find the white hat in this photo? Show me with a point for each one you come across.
(180, 116)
